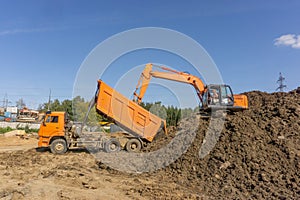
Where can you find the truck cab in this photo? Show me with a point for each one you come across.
(52, 132)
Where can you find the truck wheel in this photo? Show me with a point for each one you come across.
(112, 145)
(58, 146)
(133, 145)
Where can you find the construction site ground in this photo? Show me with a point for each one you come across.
(256, 157)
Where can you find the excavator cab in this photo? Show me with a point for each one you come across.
(220, 97)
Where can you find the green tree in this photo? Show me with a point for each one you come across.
(171, 114)
(81, 108)
(55, 105)
(76, 109)
(66, 106)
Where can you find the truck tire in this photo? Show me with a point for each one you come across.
(58, 146)
(112, 145)
(133, 145)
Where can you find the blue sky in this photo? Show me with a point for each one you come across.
(43, 43)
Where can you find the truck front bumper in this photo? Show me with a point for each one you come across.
(43, 142)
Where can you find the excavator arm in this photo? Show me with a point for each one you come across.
(222, 99)
(170, 74)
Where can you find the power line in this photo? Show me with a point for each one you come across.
(280, 81)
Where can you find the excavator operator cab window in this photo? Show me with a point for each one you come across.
(226, 95)
(214, 95)
(220, 95)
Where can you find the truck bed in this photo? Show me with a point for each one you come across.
(126, 113)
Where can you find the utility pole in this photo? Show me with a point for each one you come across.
(280, 81)
(49, 101)
(5, 101)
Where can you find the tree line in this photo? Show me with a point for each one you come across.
(171, 114)
(78, 107)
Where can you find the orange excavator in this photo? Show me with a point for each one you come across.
(212, 97)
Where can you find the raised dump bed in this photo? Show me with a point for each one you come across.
(126, 113)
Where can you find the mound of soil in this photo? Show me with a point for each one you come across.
(257, 155)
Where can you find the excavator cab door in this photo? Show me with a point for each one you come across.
(226, 95)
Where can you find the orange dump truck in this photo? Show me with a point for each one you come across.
(140, 126)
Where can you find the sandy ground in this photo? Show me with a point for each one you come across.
(8, 144)
(28, 174)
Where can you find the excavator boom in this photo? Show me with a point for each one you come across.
(170, 74)
(222, 98)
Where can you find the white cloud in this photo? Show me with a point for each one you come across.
(297, 44)
(32, 30)
(15, 31)
(291, 40)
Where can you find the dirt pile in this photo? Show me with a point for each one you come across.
(257, 155)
